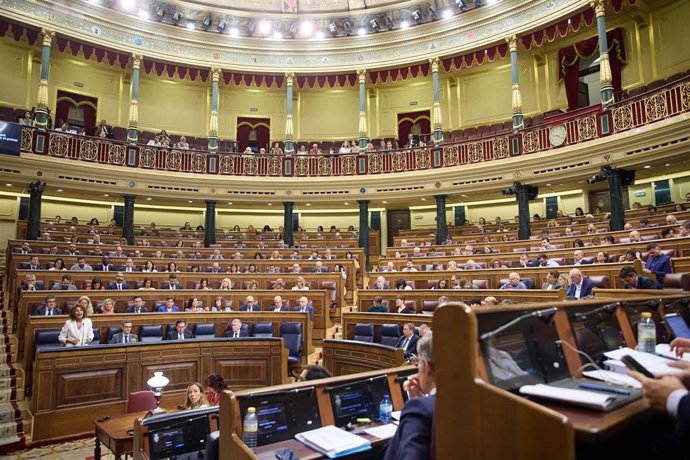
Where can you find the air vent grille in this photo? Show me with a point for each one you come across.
(172, 189)
(87, 181)
(561, 168)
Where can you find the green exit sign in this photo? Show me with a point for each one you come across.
(78, 84)
(640, 194)
(253, 109)
(413, 102)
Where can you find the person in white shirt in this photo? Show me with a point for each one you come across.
(155, 142)
(78, 330)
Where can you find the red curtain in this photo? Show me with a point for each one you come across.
(88, 106)
(407, 120)
(569, 59)
(253, 132)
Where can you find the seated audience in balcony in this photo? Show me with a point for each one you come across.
(345, 147)
(276, 150)
(77, 330)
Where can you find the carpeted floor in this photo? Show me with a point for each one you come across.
(76, 450)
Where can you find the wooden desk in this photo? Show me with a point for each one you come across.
(116, 434)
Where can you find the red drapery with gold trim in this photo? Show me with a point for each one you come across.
(87, 105)
(253, 132)
(406, 122)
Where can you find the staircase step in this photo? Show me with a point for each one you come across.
(12, 443)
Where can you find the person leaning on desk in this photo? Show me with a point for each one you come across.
(670, 394)
(413, 437)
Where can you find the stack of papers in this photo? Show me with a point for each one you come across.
(333, 442)
(613, 377)
(580, 397)
(655, 364)
(664, 350)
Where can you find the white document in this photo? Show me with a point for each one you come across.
(664, 349)
(386, 431)
(396, 414)
(653, 363)
(613, 377)
(579, 397)
(333, 441)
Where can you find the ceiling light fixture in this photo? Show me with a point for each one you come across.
(417, 16)
(404, 25)
(190, 24)
(431, 13)
(361, 31)
(333, 29)
(389, 23)
(234, 31)
(176, 18)
(447, 13)
(221, 26)
(264, 27)
(206, 23)
(306, 28)
(374, 24)
(319, 35)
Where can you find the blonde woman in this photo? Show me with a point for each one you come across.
(225, 284)
(195, 399)
(85, 303)
(108, 307)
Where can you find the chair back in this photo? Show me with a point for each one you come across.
(364, 333)
(390, 333)
(601, 282)
(292, 336)
(264, 329)
(47, 339)
(205, 330)
(111, 331)
(139, 401)
(150, 333)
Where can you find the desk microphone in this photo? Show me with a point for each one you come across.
(610, 309)
(651, 304)
(529, 315)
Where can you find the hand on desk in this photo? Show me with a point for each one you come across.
(656, 391)
(680, 346)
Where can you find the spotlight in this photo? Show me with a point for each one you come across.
(447, 13)
(404, 25)
(417, 16)
(306, 28)
(348, 28)
(264, 27)
(234, 31)
(160, 14)
(206, 23)
(176, 18)
(361, 31)
(251, 27)
(143, 14)
(319, 35)
(431, 13)
(389, 23)
(190, 24)
(333, 29)
(374, 24)
(221, 26)
(462, 4)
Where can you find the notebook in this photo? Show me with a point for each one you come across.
(584, 398)
(333, 441)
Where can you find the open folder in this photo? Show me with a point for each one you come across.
(333, 441)
(584, 398)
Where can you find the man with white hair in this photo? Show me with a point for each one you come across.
(579, 258)
(671, 219)
(514, 282)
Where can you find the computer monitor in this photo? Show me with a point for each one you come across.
(180, 435)
(283, 414)
(634, 309)
(359, 399)
(596, 332)
(678, 326)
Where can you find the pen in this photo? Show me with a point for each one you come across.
(594, 386)
(666, 356)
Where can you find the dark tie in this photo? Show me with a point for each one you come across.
(119, 286)
(125, 339)
(404, 344)
(105, 268)
(236, 334)
(180, 336)
(138, 310)
(49, 312)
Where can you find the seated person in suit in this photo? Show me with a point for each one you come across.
(381, 283)
(413, 437)
(138, 306)
(658, 263)
(378, 306)
(172, 282)
(579, 258)
(129, 266)
(169, 306)
(408, 341)
(81, 265)
(33, 264)
(552, 281)
(105, 265)
(29, 283)
(634, 281)
(670, 394)
(303, 305)
(215, 268)
(49, 308)
(278, 305)
(514, 282)
(180, 332)
(126, 335)
(313, 372)
(119, 284)
(319, 268)
(580, 287)
(400, 306)
(24, 249)
(250, 305)
(65, 284)
(236, 329)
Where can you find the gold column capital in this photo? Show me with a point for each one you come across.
(48, 36)
(215, 73)
(362, 75)
(512, 43)
(435, 62)
(136, 60)
(290, 78)
(599, 7)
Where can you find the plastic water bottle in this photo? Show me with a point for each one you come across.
(250, 428)
(385, 409)
(646, 333)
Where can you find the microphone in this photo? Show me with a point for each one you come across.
(529, 315)
(651, 304)
(610, 309)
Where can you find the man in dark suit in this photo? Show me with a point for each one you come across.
(129, 266)
(119, 284)
(303, 305)
(25, 248)
(579, 258)
(65, 284)
(634, 281)
(408, 341)
(658, 263)
(250, 305)
(105, 265)
(172, 283)
(671, 395)
(413, 437)
(49, 309)
(180, 332)
(215, 268)
(236, 330)
(580, 287)
(319, 268)
(126, 335)
(138, 306)
(33, 264)
(278, 305)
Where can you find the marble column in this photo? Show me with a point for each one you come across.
(33, 228)
(436, 118)
(289, 129)
(132, 127)
(605, 76)
(288, 237)
(518, 123)
(128, 219)
(441, 224)
(363, 138)
(213, 123)
(364, 230)
(42, 119)
(210, 223)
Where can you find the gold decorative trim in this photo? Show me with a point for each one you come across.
(48, 37)
(599, 7)
(586, 128)
(301, 166)
(137, 59)
(476, 152)
(116, 154)
(88, 150)
(501, 147)
(450, 155)
(512, 43)
(58, 145)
